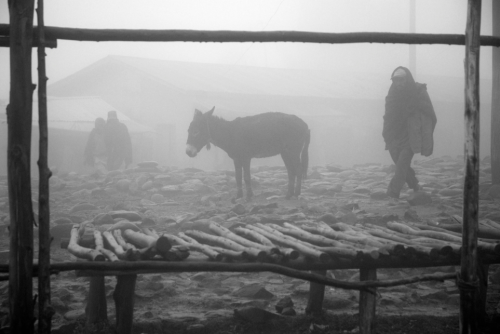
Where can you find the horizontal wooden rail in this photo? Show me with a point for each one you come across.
(133, 35)
(49, 43)
(142, 267)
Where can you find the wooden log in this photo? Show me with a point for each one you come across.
(102, 35)
(316, 296)
(306, 236)
(278, 237)
(195, 245)
(483, 232)
(119, 239)
(48, 43)
(176, 253)
(256, 236)
(147, 242)
(45, 310)
(224, 232)
(495, 100)
(343, 252)
(491, 247)
(138, 239)
(96, 309)
(295, 270)
(161, 244)
(19, 123)
(115, 247)
(367, 303)
(444, 247)
(289, 253)
(492, 224)
(423, 249)
(332, 234)
(259, 254)
(468, 279)
(124, 303)
(99, 246)
(81, 252)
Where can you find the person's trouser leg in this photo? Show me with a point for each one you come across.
(100, 165)
(404, 173)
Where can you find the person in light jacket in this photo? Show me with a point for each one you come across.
(95, 154)
(409, 123)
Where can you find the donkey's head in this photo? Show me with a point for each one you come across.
(198, 132)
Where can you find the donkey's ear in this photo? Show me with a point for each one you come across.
(197, 113)
(210, 112)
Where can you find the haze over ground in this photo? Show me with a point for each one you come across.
(444, 16)
(439, 17)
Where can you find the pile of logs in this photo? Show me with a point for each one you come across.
(275, 243)
(124, 242)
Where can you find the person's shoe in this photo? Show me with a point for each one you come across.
(392, 194)
(418, 188)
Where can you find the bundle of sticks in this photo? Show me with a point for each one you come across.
(325, 243)
(277, 243)
(124, 242)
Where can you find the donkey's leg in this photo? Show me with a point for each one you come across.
(298, 173)
(247, 178)
(238, 175)
(291, 174)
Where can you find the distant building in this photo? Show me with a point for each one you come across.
(343, 110)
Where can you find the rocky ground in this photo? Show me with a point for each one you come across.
(174, 200)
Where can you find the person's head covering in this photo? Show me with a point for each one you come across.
(112, 115)
(99, 121)
(399, 72)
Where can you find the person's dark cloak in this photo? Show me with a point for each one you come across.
(409, 118)
(118, 143)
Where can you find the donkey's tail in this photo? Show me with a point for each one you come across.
(304, 156)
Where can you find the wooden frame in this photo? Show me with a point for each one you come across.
(21, 38)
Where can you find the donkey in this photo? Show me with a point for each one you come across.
(259, 136)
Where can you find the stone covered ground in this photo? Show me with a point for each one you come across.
(174, 200)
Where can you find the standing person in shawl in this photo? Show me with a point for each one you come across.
(409, 123)
(118, 142)
(95, 154)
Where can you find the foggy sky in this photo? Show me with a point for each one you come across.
(443, 16)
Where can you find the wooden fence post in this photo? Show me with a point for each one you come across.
(45, 311)
(468, 281)
(367, 303)
(96, 309)
(495, 100)
(124, 303)
(316, 296)
(19, 118)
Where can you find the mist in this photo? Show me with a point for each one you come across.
(345, 130)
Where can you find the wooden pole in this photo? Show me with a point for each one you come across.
(96, 309)
(367, 303)
(495, 100)
(316, 296)
(131, 35)
(413, 47)
(49, 43)
(19, 117)
(124, 303)
(45, 310)
(468, 281)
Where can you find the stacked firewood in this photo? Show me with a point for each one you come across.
(123, 242)
(280, 243)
